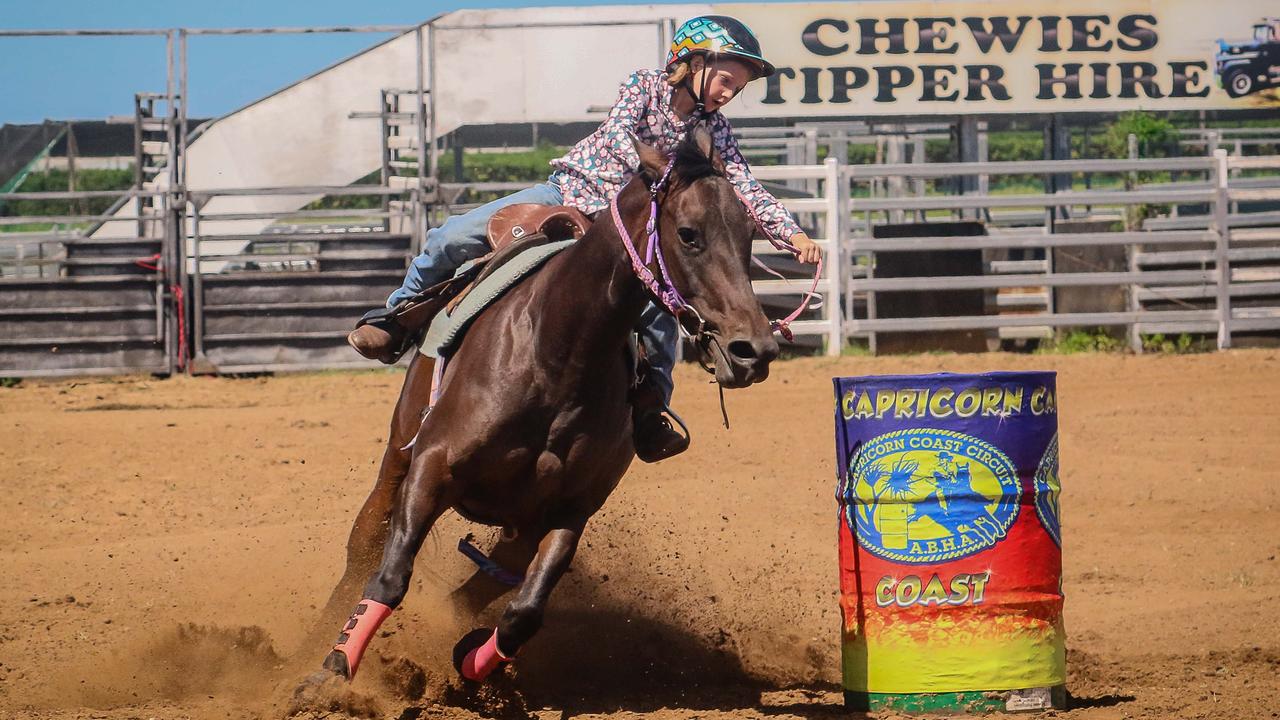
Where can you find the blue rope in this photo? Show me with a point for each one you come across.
(487, 566)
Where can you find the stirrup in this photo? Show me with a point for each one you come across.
(378, 336)
(655, 439)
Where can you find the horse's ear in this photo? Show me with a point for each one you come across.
(702, 139)
(652, 162)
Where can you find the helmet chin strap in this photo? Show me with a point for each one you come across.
(700, 111)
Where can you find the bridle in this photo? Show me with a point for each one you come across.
(661, 287)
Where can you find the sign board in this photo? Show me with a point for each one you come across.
(944, 57)
(1014, 56)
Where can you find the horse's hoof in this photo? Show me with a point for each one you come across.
(335, 663)
(325, 692)
(476, 655)
(314, 680)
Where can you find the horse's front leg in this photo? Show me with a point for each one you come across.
(423, 497)
(369, 531)
(523, 617)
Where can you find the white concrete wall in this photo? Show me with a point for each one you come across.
(302, 135)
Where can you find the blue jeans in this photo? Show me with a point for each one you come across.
(463, 238)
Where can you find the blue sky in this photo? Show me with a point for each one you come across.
(91, 78)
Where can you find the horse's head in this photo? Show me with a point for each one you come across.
(705, 235)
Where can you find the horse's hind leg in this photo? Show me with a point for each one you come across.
(422, 498)
(523, 617)
(369, 532)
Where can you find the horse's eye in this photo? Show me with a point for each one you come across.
(689, 236)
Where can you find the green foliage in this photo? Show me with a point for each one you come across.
(1099, 340)
(1015, 146)
(938, 150)
(10, 382)
(1180, 345)
(1156, 135)
(55, 180)
(856, 348)
(35, 227)
(351, 202)
(529, 166)
(862, 154)
(1082, 341)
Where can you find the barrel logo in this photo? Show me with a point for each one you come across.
(923, 496)
(1048, 487)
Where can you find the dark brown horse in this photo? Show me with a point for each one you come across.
(532, 429)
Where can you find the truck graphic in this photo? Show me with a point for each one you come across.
(1247, 66)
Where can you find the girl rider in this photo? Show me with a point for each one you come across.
(712, 58)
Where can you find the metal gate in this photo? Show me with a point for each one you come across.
(285, 299)
(74, 305)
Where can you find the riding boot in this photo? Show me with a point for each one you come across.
(378, 336)
(653, 436)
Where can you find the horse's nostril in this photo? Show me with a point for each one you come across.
(742, 350)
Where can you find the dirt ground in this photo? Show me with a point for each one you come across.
(168, 542)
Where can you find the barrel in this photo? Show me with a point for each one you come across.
(949, 542)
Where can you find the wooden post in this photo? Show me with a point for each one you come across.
(1060, 149)
(834, 264)
(384, 130)
(896, 184)
(918, 184)
(1131, 251)
(1222, 244)
(77, 205)
(1131, 181)
(984, 180)
(967, 137)
(140, 111)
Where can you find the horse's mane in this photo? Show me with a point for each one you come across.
(691, 164)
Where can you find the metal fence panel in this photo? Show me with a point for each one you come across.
(86, 313)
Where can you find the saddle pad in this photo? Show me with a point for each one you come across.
(447, 329)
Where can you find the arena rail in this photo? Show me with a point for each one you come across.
(285, 300)
(1166, 288)
(74, 305)
(831, 205)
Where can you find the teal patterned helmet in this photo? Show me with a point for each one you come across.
(718, 34)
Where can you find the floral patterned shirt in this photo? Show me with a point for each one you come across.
(597, 167)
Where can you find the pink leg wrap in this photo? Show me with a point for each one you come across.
(482, 661)
(359, 630)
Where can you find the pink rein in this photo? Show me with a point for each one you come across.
(665, 290)
(783, 326)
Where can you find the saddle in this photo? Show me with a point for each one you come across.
(514, 222)
(511, 231)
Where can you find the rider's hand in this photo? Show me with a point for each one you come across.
(809, 250)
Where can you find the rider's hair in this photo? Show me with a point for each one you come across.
(678, 72)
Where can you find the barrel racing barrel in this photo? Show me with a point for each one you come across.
(950, 559)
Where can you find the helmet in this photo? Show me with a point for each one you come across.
(717, 33)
